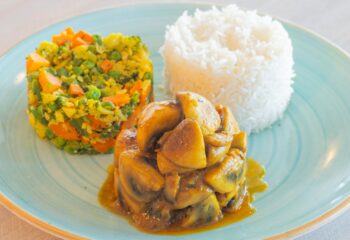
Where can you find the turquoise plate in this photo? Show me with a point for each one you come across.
(306, 154)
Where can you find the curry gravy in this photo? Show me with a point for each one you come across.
(255, 174)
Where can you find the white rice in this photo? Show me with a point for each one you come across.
(233, 57)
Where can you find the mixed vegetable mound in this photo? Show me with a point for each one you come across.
(82, 88)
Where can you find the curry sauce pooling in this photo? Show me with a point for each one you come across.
(255, 182)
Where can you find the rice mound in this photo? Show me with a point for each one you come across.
(233, 57)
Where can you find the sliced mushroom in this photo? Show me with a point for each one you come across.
(216, 154)
(228, 128)
(139, 179)
(218, 139)
(161, 209)
(205, 212)
(185, 145)
(240, 141)
(129, 202)
(192, 190)
(218, 144)
(229, 124)
(223, 177)
(155, 119)
(126, 140)
(236, 202)
(237, 153)
(199, 109)
(225, 198)
(172, 185)
(166, 166)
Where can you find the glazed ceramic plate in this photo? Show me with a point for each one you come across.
(306, 153)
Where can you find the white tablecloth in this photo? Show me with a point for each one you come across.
(21, 18)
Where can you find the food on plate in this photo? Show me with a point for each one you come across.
(83, 88)
(183, 166)
(234, 57)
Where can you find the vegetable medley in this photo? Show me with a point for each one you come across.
(83, 88)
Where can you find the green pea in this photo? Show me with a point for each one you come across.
(77, 70)
(148, 75)
(85, 146)
(63, 49)
(114, 74)
(62, 72)
(49, 134)
(88, 64)
(58, 142)
(134, 99)
(115, 55)
(72, 147)
(93, 93)
(97, 39)
(108, 105)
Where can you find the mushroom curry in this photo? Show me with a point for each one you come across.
(184, 165)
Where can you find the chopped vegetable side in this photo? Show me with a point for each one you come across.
(82, 87)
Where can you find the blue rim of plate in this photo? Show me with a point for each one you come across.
(297, 231)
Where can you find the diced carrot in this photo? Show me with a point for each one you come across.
(75, 90)
(78, 42)
(34, 104)
(85, 140)
(85, 36)
(81, 38)
(48, 82)
(95, 123)
(103, 147)
(136, 88)
(35, 61)
(106, 65)
(65, 130)
(119, 99)
(143, 91)
(69, 31)
(65, 36)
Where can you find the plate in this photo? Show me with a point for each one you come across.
(306, 153)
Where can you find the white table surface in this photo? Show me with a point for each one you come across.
(21, 18)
